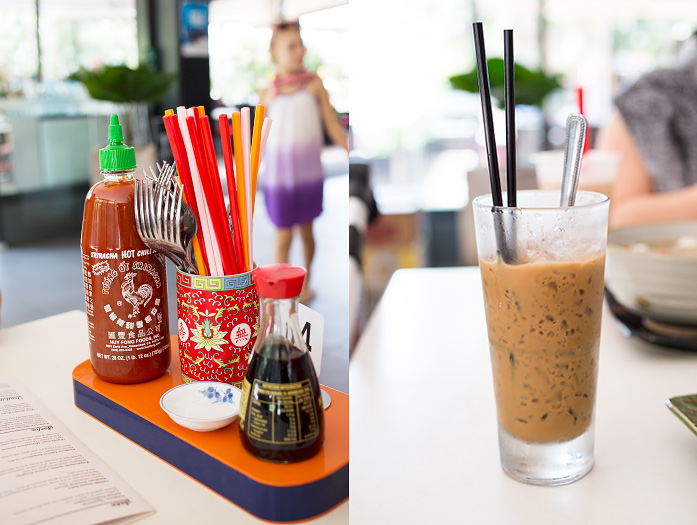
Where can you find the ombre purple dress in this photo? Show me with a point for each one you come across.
(293, 179)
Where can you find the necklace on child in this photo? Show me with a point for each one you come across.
(294, 78)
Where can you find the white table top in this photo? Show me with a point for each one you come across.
(424, 443)
(42, 355)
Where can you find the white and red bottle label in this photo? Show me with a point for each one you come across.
(125, 296)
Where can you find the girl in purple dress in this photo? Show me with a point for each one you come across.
(293, 178)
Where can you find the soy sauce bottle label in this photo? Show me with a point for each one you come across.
(246, 387)
(282, 413)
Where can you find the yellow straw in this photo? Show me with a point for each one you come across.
(256, 145)
(241, 203)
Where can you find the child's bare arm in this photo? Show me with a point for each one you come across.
(331, 123)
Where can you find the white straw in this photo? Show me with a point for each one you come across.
(246, 136)
(265, 129)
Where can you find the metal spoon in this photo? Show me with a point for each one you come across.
(573, 151)
(188, 226)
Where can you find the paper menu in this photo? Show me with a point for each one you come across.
(48, 476)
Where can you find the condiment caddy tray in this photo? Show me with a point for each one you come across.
(270, 491)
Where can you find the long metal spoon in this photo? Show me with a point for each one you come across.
(576, 126)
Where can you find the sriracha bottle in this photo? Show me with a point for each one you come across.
(125, 283)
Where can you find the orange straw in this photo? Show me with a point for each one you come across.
(226, 141)
(256, 146)
(241, 204)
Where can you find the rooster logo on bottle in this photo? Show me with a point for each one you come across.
(136, 298)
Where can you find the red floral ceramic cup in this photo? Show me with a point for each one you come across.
(218, 323)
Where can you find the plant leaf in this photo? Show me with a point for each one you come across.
(531, 86)
(123, 84)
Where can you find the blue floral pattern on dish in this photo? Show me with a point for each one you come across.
(216, 397)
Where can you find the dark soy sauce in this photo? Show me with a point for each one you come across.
(282, 416)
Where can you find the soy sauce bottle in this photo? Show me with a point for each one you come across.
(281, 413)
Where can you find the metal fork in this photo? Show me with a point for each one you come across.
(149, 228)
(159, 221)
(163, 182)
(180, 222)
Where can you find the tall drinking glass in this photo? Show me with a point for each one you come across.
(542, 273)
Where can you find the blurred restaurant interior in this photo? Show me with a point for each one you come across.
(421, 148)
(51, 129)
(415, 132)
(406, 74)
(422, 139)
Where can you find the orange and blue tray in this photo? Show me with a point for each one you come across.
(270, 491)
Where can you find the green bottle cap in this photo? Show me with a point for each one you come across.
(116, 156)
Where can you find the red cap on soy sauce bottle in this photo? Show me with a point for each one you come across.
(281, 413)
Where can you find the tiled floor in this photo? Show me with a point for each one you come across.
(38, 281)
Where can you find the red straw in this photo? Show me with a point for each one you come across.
(231, 187)
(176, 142)
(579, 98)
(214, 176)
(216, 217)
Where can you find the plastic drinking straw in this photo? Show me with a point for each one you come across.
(209, 203)
(266, 128)
(206, 227)
(219, 201)
(579, 97)
(198, 255)
(226, 140)
(264, 135)
(239, 171)
(485, 95)
(180, 158)
(216, 217)
(509, 97)
(181, 161)
(176, 142)
(246, 153)
(508, 219)
(205, 239)
(256, 148)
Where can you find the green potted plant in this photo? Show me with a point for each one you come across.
(134, 87)
(531, 86)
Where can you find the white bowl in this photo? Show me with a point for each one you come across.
(202, 405)
(598, 170)
(660, 287)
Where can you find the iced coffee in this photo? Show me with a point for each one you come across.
(542, 269)
(544, 328)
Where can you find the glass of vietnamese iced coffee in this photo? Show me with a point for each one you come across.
(542, 274)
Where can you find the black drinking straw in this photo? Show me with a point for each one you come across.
(485, 95)
(509, 98)
(494, 178)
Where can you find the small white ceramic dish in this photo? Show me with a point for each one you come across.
(202, 406)
(650, 284)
